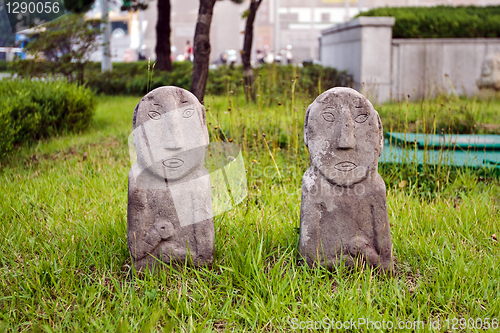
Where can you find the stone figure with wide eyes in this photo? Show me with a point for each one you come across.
(343, 209)
(170, 215)
(490, 72)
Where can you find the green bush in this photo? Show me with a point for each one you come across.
(135, 78)
(4, 66)
(224, 79)
(276, 80)
(33, 110)
(67, 41)
(442, 21)
(129, 68)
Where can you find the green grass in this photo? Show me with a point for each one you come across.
(444, 114)
(64, 263)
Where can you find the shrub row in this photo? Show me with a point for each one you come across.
(33, 110)
(138, 78)
(278, 79)
(442, 21)
(4, 66)
(135, 79)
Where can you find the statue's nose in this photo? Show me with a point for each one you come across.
(172, 135)
(346, 139)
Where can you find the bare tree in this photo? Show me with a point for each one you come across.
(246, 53)
(162, 50)
(202, 48)
(163, 30)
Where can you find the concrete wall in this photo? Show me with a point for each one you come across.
(426, 67)
(363, 48)
(384, 68)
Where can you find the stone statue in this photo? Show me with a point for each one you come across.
(170, 216)
(490, 72)
(344, 211)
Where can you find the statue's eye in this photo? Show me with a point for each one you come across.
(328, 116)
(187, 113)
(154, 115)
(361, 118)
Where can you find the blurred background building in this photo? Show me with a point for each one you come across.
(286, 28)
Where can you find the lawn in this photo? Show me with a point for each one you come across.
(65, 265)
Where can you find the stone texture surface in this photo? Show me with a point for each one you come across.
(170, 216)
(490, 72)
(344, 210)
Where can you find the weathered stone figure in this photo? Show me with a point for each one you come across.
(344, 210)
(490, 73)
(169, 202)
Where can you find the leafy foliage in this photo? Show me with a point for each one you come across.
(33, 110)
(136, 79)
(274, 80)
(67, 43)
(78, 6)
(442, 21)
(134, 5)
(4, 66)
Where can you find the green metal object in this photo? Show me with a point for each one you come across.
(476, 151)
(436, 141)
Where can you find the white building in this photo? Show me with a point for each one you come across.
(279, 23)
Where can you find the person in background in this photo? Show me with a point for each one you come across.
(223, 58)
(188, 51)
(289, 55)
(260, 57)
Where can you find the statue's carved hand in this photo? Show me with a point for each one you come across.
(164, 229)
(161, 230)
(152, 237)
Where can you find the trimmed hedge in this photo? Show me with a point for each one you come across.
(4, 66)
(132, 78)
(442, 21)
(273, 82)
(33, 110)
(277, 79)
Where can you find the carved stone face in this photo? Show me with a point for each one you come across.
(344, 135)
(170, 133)
(488, 67)
(490, 72)
(491, 65)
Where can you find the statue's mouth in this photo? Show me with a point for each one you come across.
(345, 166)
(173, 163)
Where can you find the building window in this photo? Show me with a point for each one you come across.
(289, 17)
(325, 17)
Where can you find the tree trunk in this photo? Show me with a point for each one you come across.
(202, 49)
(246, 54)
(162, 50)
